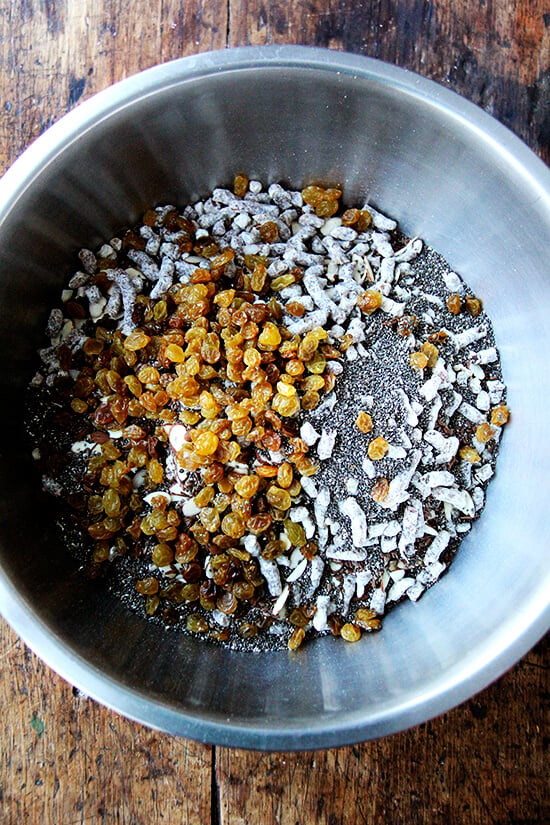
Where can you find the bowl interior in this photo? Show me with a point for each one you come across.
(449, 175)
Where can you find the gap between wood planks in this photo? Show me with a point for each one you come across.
(215, 818)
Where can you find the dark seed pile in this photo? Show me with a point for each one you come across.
(266, 417)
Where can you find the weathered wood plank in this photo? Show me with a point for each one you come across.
(66, 760)
(485, 761)
(55, 54)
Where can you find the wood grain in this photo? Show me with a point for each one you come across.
(497, 54)
(65, 760)
(54, 54)
(484, 762)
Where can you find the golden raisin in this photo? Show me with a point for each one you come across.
(79, 406)
(204, 497)
(195, 623)
(233, 526)
(369, 301)
(295, 308)
(484, 433)
(240, 185)
(431, 352)
(326, 208)
(364, 221)
(284, 475)
(206, 443)
(310, 400)
(148, 586)
(367, 619)
(247, 486)
(174, 353)
(296, 638)
(156, 473)
(136, 340)
(278, 498)
(454, 303)
(418, 360)
(377, 448)
(270, 337)
(380, 489)
(133, 385)
(295, 533)
(210, 519)
(472, 305)
(313, 195)
(258, 278)
(363, 422)
(286, 407)
(500, 415)
(309, 550)
(350, 632)
(350, 217)
(273, 549)
(469, 454)
(269, 232)
(162, 555)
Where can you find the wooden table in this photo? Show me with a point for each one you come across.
(67, 761)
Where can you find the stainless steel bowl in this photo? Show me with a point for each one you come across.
(450, 174)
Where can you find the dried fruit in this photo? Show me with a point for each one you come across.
(270, 337)
(377, 448)
(469, 454)
(380, 489)
(136, 340)
(431, 352)
(295, 533)
(296, 638)
(240, 185)
(367, 619)
(247, 486)
(206, 443)
(369, 301)
(233, 525)
(363, 422)
(454, 303)
(418, 360)
(350, 632)
(500, 415)
(278, 498)
(472, 305)
(484, 433)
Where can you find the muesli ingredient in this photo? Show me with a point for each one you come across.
(267, 416)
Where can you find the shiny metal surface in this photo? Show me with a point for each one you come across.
(450, 174)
